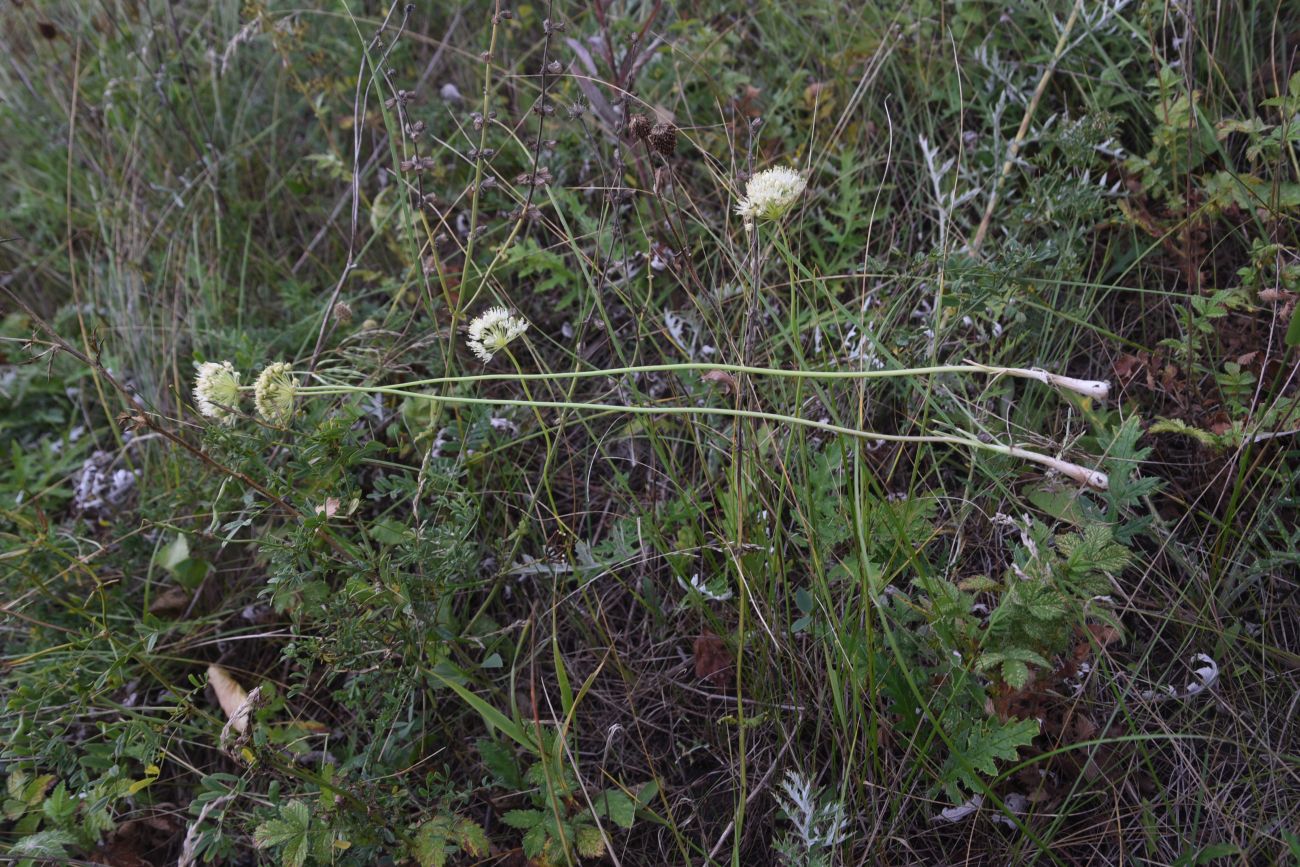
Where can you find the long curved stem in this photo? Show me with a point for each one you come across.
(1091, 388)
(1091, 477)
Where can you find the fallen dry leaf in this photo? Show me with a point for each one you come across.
(1126, 365)
(722, 378)
(172, 602)
(230, 695)
(712, 659)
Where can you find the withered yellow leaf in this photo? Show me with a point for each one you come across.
(231, 696)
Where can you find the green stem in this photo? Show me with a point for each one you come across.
(1094, 478)
(1023, 372)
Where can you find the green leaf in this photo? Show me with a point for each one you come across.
(60, 807)
(617, 806)
(647, 793)
(44, 844)
(174, 554)
(296, 851)
(390, 531)
(534, 841)
(472, 838)
(489, 713)
(289, 831)
(1015, 673)
(522, 819)
(500, 762)
(991, 740)
(591, 843)
(1095, 550)
(429, 843)
(1293, 330)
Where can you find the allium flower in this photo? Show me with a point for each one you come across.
(770, 194)
(273, 393)
(492, 330)
(216, 390)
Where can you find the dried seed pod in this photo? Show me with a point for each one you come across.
(638, 126)
(663, 139)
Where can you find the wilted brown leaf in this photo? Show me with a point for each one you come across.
(1126, 365)
(712, 659)
(172, 602)
(722, 378)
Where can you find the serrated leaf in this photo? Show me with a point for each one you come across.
(43, 844)
(977, 584)
(295, 852)
(1094, 550)
(500, 762)
(990, 741)
(591, 843)
(59, 807)
(1015, 673)
(534, 841)
(429, 843)
(472, 838)
(523, 819)
(289, 831)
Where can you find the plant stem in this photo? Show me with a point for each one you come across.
(1093, 478)
(1092, 388)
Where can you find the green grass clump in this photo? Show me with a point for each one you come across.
(738, 534)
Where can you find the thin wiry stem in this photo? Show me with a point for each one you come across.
(1092, 388)
(1093, 478)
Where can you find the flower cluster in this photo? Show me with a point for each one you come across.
(274, 391)
(491, 331)
(770, 194)
(216, 390)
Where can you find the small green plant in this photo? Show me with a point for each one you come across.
(564, 818)
(446, 834)
(818, 824)
(295, 836)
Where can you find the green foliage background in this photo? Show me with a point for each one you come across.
(500, 634)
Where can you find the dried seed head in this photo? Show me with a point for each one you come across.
(663, 139)
(638, 126)
(343, 313)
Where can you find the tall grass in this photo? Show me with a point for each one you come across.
(478, 593)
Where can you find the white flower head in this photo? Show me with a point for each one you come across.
(216, 390)
(715, 590)
(769, 194)
(492, 330)
(274, 391)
